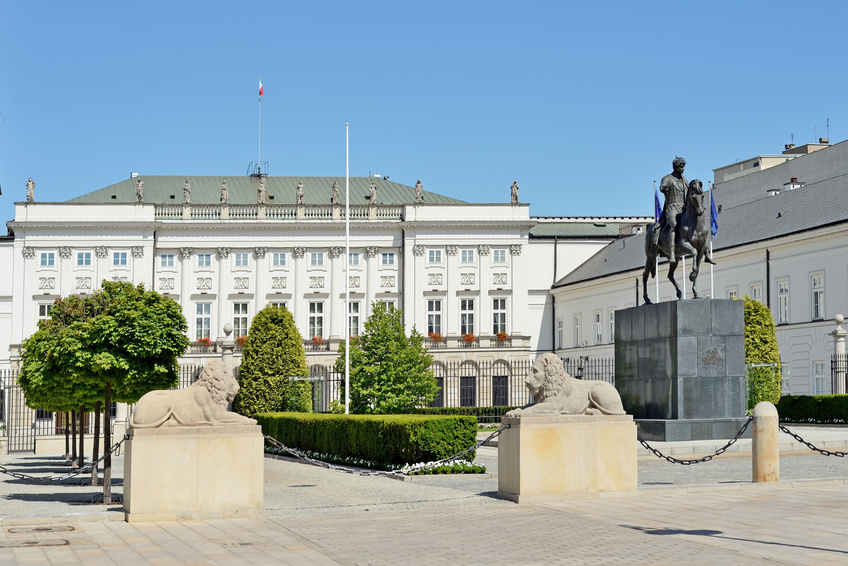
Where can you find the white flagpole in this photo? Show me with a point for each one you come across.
(683, 260)
(656, 259)
(346, 264)
(712, 289)
(259, 154)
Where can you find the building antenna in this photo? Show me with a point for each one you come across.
(828, 129)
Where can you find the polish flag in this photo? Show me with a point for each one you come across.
(260, 87)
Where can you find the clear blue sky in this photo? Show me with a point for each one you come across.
(584, 103)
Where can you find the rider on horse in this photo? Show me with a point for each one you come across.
(673, 186)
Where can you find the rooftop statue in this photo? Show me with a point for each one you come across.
(204, 403)
(514, 192)
(30, 190)
(187, 192)
(225, 192)
(139, 191)
(419, 192)
(372, 193)
(261, 197)
(335, 198)
(683, 228)
(558, 393)
(300, 192)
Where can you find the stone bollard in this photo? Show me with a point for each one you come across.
(765, 454)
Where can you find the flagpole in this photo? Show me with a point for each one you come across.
(259, 154)
(347, 264)
(712, 288)
(656, 259)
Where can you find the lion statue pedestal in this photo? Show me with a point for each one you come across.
(188, 458)
(575, 443)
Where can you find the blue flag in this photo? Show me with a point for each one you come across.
(713, 215)
(657, 208)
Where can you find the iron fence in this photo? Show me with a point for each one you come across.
(584, 367)
(838, 370)
(461, 384)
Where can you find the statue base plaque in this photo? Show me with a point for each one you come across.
(566, 457)
(194, 473)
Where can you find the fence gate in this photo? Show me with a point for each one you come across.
(19, 419)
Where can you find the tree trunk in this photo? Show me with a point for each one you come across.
(74, 461)
(82, 436)
(107, 444)
(67, 435)
(95, 452)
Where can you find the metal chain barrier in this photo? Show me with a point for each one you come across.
(115, 449)
(351, 470)
(718, 452)
(811, 446)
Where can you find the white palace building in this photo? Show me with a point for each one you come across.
(454, 268)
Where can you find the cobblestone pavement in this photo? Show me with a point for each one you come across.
(707, 513)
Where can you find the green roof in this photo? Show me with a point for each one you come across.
(168, 189)
(602, 228)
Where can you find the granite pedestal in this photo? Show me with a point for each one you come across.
(680, 368)
(566, 457)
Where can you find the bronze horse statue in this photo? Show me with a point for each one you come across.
(692, 238)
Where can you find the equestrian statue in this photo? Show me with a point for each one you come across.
(682, 229)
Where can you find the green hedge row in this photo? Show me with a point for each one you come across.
(815, 408)
(391, 439)
(482, 413)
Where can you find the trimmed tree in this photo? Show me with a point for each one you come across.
(117, 345)
(761, 348)
(272, 353)
(389, 371)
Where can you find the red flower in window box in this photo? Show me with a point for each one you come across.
(240, 340)
(469, 338)
(435, 336)
(317, 340)
(205, 341)
(502, 335)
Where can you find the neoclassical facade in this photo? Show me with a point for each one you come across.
(225, 248)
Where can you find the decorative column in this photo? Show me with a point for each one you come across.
(65, 283)
(412, 271)
(298, 308)
(138, 270)
(259, 275)
(839, 361)
(337, 324)
(101, 269)
(185, 281)
(222, 316)
(371, 284)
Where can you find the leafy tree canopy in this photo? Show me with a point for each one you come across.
(389, 371)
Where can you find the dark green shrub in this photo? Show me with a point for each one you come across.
(393, 439)
(813, 408)
(483, 414)
(272, 353)
(761, 347)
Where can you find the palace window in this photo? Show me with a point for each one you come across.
(316, 319)
(239, 319)
(204, 260)
(353, 319)
(48, 259)
(783, 301)
(817, 288)
(278, 259)
(434, 316)
(578, 330)
(203, 320)
(466, 316)
(84, 259)
(498, 315)
(119, 259)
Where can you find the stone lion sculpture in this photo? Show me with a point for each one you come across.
(560, 394)
(204, 403)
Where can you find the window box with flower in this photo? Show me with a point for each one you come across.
(469, 338)
(205, 341)
(502, 335)
(240, 340)
(317, 340)
(435, 336)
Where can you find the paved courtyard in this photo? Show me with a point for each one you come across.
(703, 514)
